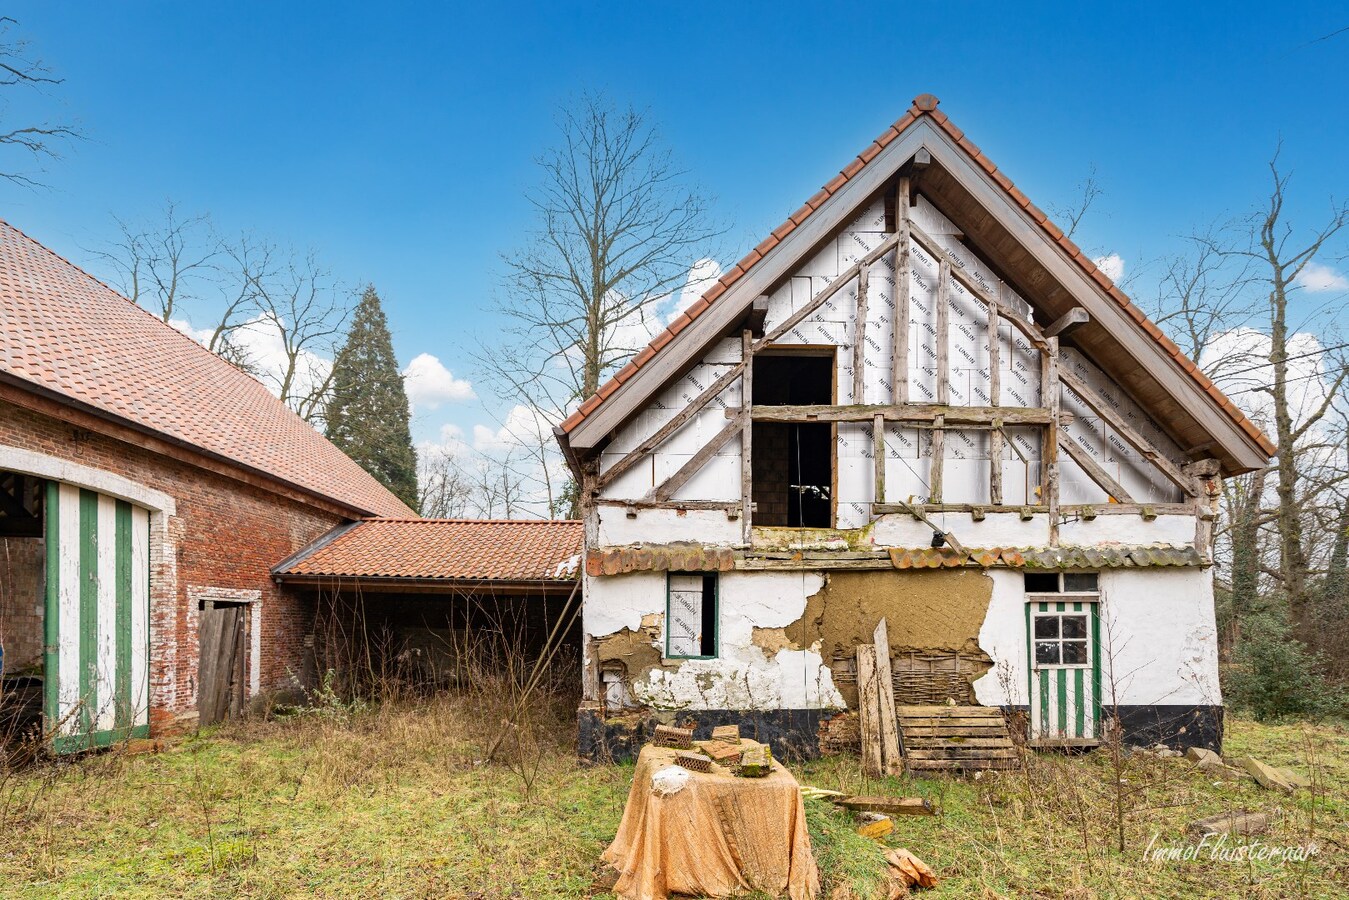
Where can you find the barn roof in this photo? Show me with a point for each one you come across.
(63, 332)
(1166, 365)
(443, 550)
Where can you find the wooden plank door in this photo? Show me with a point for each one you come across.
(1063, 639)
(220, 668)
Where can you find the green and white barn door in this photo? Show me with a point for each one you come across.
(1065, 689)
(96, 671)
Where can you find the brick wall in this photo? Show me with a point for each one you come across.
(224, 534)
(22, 575)
(772, 477)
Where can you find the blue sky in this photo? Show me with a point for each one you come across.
(398, 139)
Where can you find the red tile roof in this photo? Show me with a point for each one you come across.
(444, 549)
(66, 332)
(923, 105)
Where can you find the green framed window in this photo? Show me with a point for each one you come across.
(691, 615)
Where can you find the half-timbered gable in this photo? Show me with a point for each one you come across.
(916, 401)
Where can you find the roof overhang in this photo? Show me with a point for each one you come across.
(452, 587)
(1119, 337)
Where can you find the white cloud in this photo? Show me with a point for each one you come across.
(1112, 265)
(1316, 278)
(1238, 362)
(523, 427)
(430, 384)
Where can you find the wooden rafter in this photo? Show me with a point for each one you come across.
(666, 489)
(1128, 433)
(1098, 474)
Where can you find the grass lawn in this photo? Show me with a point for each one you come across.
(395, 803)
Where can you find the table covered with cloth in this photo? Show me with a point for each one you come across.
(718, 835)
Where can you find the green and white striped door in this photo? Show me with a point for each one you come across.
(96, 664)
(1065, 689)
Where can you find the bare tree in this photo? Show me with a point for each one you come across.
(164, 267)
(618, 231)
(306, 309)
(1278, 257)
(20, 69)
(444, 492)
(1089, 190)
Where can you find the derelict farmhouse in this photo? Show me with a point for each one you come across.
(916, 401)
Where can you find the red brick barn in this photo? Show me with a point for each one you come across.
(146, 489)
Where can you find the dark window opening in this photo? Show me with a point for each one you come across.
(1042, 582)
(691, 615)
(23, 575)
(793, 461)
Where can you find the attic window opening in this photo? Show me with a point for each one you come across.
(793, 461)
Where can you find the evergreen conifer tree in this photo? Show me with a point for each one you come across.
(368, 409)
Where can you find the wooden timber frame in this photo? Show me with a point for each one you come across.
(937, 417)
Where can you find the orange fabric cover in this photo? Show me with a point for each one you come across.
(717, 836)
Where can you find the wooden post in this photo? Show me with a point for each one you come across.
(1049, 390)
(899, 364)
(891, 761)
(859, 341)
(995, 399)
(867, 708)
(746, 436)
(878, 451)
(944, 334)
(938, 466)
(943, 380)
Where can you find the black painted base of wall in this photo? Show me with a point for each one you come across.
(794, 734)
(1177, 727)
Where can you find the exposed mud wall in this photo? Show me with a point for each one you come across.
(940, 610)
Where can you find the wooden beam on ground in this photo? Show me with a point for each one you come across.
(890, 806)
(694, 407)
(747, 431)
(859, 342)
(1068, 321)
(1098, 474)
(1127, 432)
(868, 708)
(909, 413)
(891, 760)
(666, 489)
(899, 364)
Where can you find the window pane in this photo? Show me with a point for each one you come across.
(1080, 581)
(1046, 626)
(1047, 653)
(1075, 653)
(1075, 626)
(1042, 582)
(686, 615)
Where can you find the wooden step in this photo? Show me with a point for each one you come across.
(955, 738)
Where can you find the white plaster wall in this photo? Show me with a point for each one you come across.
(1003, 637)
(662, 526)
(1128, 529)
(743, 676)
(1158, 638)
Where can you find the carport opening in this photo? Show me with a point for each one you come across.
(23, 570)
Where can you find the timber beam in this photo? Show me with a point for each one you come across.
(907, 413)
(1068, 321)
